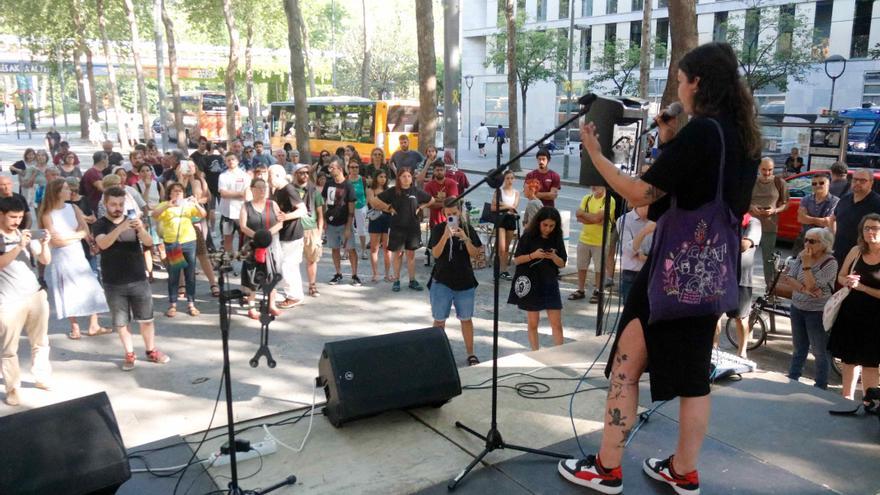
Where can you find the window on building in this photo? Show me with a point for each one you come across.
(786, 29)
(655, 89)
(637, 5)
(871, 92)
(660, 41)
(719, 28)
(635, 33)
(662, 4)
(822, 28)
(564, 6)
(861, 29)
(496, 104)
(610, 6)
(586, 48)
(542, 10)
(586, 8)
(751, 32)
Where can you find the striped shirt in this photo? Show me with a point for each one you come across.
(824, 272)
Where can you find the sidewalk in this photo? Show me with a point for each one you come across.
(470, 161)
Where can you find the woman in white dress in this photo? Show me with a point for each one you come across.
(74, 287)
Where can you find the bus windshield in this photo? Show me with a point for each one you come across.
(213, 102)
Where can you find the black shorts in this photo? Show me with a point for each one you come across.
(128, 302)
(404, 239)
(508, 221)
(679, 351)
(481, 145)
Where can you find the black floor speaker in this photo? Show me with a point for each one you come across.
(366, 376)
(73, 448)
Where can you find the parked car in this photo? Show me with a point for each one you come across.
(799, 186)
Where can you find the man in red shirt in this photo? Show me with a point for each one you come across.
(452, 172)
(63, 150)
(92, 181)
(550, 183)
(440, 188)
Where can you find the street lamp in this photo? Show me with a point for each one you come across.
(469, 82)
(834, 77)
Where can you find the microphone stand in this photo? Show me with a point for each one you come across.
(493, 438)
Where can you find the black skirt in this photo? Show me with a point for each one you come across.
(679, 351)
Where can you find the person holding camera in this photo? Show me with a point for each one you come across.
(453, 243)
(122, 239)
(175, 218)
(23, 303)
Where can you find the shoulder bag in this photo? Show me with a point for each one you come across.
(694, 258)
(832, 305)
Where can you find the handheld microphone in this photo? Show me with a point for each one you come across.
(670, 113)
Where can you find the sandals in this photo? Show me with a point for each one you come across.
(313, 290)
(193, 310)
(74, 334)
(472, 360)
(100, 331)
(172, 312)
(578, 294)
(215, 290)
(389, 278)
(253, 314)
(181, 291)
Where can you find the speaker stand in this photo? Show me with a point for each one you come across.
(493, 439)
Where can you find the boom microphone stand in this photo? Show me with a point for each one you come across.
(493, 438)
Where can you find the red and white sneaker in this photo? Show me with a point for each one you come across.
(661, 470)
(590, 473)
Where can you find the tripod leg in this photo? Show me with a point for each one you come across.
(454, 483)
(289, 481)
(472, 432)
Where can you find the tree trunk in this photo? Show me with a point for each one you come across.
(298, 77)
(230, 69)
(160, 71)
(81, 94)
(309, 72)
(451, 75)
(645, 56)
(175, 81)
(249, 79)
(111, 74)
(93, 87)
(138, 68)
(427, 74)
(365, 64)
(524, 90)
(683, 30)
(513, 127)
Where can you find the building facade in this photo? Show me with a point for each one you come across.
(849, 28)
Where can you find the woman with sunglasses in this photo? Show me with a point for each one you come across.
(322, 166)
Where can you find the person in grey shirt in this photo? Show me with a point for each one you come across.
(405, 157)
(23, 302)
(749, 240)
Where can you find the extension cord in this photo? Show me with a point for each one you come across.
(261, 449)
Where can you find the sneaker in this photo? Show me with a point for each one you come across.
(595, 297)
(395, 286)
(414, 285)
(505, 276)
(472, 360)
(356, 281)
(336, 279)
(12, 398)
(157, 356)
(128, 364)
(590, 473)
(364, 255)
(661, 470)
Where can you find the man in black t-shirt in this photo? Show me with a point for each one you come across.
(122, 240)
(339, 199)
(293, 208)
(405, 157)
(453, 244)
(114, 158)
(850, 210)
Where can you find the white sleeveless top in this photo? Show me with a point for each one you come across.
(508, 199)
(64, 220)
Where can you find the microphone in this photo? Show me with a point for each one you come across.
(670, 113)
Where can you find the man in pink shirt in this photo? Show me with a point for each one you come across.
(439, 187)
(549, 180)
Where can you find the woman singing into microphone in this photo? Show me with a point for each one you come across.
(679, 350)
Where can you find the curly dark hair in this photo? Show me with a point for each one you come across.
(722, 91)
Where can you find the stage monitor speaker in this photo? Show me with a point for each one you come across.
(366, 376)
(72, 447)
(605, 113)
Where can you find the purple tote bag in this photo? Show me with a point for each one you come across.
(694, 259)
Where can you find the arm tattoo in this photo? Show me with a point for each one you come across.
(652, 194)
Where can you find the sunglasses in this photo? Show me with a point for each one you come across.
(817, 184)
(861, 181)
(811, 241)
(870, 228)
(353, 166)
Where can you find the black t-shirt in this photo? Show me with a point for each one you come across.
(791, 166)
(288, 198)
(337, 196)
(848, 215)
(200, 159)
(688, 168)
(453, 267)
(123, 262)
(543, 271)
(405, 203)
(409, 158)
(214, 166)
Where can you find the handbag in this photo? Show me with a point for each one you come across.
(694, 258)
(174, 255)
(832, 305)
(260, 253)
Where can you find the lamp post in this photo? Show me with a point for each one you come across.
(834, 77)
(469, 82)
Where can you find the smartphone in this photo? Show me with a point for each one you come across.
(131, 214)
(452, 221)
(38, 234)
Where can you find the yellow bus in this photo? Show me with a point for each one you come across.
(204, 114)
(336, 121)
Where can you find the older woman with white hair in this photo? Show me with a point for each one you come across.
(811, 275)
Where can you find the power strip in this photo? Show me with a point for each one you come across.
(261, 449)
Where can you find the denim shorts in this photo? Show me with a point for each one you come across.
(443, 298)
(133, 301)
(336, 237)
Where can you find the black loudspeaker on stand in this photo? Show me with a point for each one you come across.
(493, 438)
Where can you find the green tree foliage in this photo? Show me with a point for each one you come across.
(617, 66)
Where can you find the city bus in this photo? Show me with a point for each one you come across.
(340, 121)
(204, 114)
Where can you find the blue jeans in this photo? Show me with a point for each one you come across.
(627, 277)
(189, 273)
(808, 335)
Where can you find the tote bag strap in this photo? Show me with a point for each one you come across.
(720, 184)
